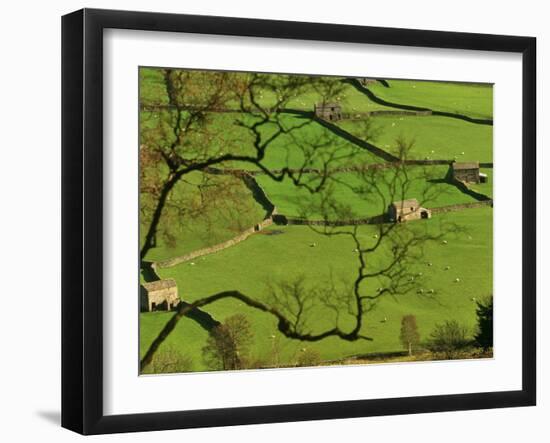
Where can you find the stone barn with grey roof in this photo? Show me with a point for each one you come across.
(328, 111)
(159, 295)
(406, 210)
(467, 172)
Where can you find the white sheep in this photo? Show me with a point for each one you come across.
(457, 280)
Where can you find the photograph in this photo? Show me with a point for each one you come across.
(290, 220)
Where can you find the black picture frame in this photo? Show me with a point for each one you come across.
(82, 219)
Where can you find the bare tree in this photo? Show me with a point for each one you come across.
(180, 137)
(409, 335)
(384, 259)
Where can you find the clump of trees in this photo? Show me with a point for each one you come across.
(169, 360)
(484, 333)
(228, 345)
(308, 357)
(449, 339)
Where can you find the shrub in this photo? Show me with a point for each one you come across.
(449, 339)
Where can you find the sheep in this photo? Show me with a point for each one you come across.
(457, 280)
(430, 263)
(444, 242)
(447, 268)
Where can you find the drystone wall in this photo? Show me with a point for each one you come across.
(215, 248)
(460, 206)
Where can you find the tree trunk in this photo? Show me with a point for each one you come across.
(410, 349)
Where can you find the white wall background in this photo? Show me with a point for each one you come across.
(30, 222)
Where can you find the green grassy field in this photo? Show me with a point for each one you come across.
(262, 258)
(427, 185)
(471, 100)
(434, 137)
(192, 229)
(285, 253)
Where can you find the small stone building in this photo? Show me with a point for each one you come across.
(407, 210)
(159, 295)
(328, 111)
(467, 172)
(365, 81)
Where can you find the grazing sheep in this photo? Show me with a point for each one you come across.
(430, 264)
(192, 263)
(457, 280)
(447, 268)
(313, 245)
(431, 291)
(375, 236)
(444, 242)
(420, 274)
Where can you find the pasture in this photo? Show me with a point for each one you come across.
(434, 137)
(469, 99)
(263, 259)
(207, 208)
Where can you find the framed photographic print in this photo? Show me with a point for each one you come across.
(271, 221)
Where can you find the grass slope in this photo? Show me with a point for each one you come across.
(263, 258)
(434, 137)
(292, 201)
(472, 100)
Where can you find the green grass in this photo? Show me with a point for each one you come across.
(350, 99)
(460, 98)
(347, 190)
(219, 221)
(434, 137)
(262, 258)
